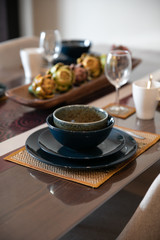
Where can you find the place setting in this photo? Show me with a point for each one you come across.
(81, 143)
(80, 149)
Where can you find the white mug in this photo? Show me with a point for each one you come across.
(32, 61)
(145, 99)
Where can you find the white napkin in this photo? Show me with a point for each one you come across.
(145, 223)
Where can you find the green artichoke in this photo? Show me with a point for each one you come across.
(103, 60)
(63, 76)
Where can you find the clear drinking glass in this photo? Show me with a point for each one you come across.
(50, 42)
(117, 70)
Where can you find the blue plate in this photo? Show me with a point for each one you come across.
(112, 144)
(122, 155)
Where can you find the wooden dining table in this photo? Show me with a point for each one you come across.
(37, 205)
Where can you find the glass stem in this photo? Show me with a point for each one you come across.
(117, 96)
(50, 64)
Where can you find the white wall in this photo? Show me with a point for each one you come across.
(135, 23)
(26, 18)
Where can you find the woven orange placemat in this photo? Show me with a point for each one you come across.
(89, 177)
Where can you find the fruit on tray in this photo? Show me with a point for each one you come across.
(103, 60)
(42, 87)
(81, 74)
(63, 76)
(92, 64)
(120, 47)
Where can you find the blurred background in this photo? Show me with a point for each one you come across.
(135, 24)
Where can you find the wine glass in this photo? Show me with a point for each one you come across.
(118, 68)
(50, 42)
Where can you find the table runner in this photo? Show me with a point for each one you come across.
(93, 178)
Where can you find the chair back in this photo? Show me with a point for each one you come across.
(145, 223)
(9, 51)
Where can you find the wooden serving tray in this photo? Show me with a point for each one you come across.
(77, 94)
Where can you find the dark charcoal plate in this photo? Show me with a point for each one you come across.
(110, 145)
(122, 155)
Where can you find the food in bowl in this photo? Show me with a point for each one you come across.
(80, 140)
(80, 118)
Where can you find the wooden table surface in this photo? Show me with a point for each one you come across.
(35, 205)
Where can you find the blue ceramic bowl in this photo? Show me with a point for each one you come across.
(80, 139)
(80, 118)
(75, 48)
(2, 90)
